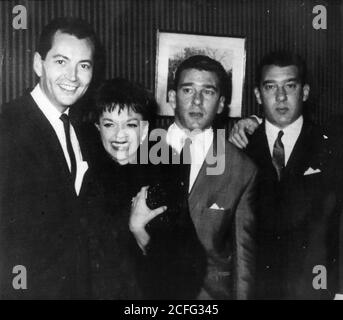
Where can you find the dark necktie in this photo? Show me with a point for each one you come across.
(279, 155)
(185, 158)
(186, 151)
(66, 124)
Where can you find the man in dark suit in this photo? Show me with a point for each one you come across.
(220, 181)
(297, 203)
(42, 169)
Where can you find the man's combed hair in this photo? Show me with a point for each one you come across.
(282, 58)
(121, 93)
(73, 26)
(201, 62)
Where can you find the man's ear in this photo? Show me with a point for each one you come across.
(172, 98)
(221, 104)
(37, 64)
(306, 92)
(144, 130)
(258, 95)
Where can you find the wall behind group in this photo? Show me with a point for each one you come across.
(127, 29)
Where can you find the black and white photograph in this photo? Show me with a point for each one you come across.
(171, 155)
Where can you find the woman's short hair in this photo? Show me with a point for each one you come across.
(122, 93)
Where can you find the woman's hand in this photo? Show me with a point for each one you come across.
(140, 216)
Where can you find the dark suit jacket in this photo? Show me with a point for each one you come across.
(40, 224)
(226, 231)
(334, 130)
(295, 217)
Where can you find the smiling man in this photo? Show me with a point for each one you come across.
(42, 169)
(65, 71)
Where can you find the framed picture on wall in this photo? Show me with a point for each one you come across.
(173, 48)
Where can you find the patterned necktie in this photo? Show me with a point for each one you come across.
(66, 124)
(279, 155)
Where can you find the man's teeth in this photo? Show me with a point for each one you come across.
(67, 87)
(120, 146)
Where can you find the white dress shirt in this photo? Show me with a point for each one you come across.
(201, 143)
(53, 115)
(289, 138)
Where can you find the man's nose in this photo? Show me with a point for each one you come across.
(72, 73)
(197, 98)
(281, 94)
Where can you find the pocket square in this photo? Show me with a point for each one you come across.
(311, 171)
(215, 207)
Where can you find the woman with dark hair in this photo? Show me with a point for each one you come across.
(154, 253)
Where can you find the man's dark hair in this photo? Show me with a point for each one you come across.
(201, 62)
(282, 59)
(73, 26)
(121, 93)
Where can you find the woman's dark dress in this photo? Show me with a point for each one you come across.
(174, 265)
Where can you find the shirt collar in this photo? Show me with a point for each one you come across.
(176, 137)
(44, 104)
(289, 138)
(293, 130)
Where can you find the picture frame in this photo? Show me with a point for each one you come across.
(173, 48)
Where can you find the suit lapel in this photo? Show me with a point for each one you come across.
(205, 182)
(299, 156)
(199, 188)
(46, 139)
(258, 149)
(81, 139)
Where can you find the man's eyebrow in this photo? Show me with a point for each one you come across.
(60, 56)
(207, 86)
(88, 61)
(274, 81)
